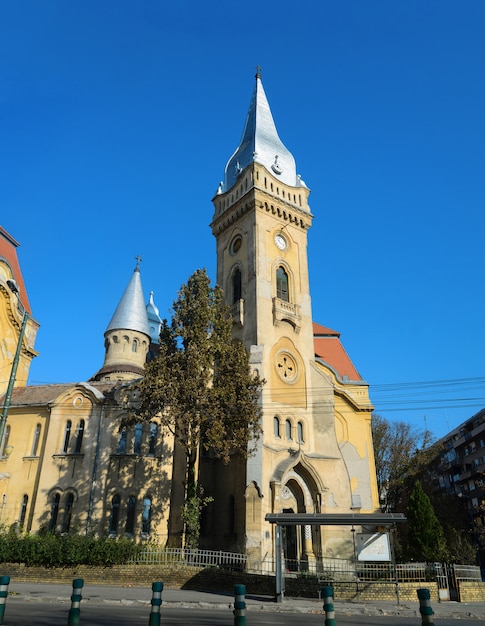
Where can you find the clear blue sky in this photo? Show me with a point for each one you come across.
(117, 118)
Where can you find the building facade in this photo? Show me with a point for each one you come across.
(14, 305)
(76, 466)
(460, 471)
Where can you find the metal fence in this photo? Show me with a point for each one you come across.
(156, 555)
(467, 573)
(344, 570)
(325, 569)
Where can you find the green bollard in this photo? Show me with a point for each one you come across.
(327, 594)
(425, 607)
(240, 605)
(156, 602)
(75, 612)
(4, 583)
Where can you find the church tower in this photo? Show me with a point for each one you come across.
(261, 223)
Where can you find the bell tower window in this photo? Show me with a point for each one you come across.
(236, 286)
(282, 284)
(283, 308)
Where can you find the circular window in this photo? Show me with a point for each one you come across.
(236, 244)
(78, 401)
(286, 367)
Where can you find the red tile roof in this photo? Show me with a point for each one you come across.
(329, 349)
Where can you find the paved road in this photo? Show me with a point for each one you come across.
(46, 601)
(25, 613)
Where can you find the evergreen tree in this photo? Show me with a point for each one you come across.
(201, 387)
(425, 537)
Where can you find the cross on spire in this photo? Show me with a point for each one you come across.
(258, 71)
(138, 261)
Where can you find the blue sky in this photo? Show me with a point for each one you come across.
(117, 119)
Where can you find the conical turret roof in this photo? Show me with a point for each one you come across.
(154, 319)
(260, 142)
(131, 313)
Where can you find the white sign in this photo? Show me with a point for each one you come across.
(373, 547)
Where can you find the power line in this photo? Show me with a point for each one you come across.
(398, 396)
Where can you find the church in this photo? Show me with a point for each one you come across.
(68, 463)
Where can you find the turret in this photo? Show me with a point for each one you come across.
(154, 320)
(127, 337)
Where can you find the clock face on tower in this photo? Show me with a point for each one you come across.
(280, 241)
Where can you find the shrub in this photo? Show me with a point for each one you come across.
(51, 550)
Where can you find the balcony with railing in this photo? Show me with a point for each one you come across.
(288, 312)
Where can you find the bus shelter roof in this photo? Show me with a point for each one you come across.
(335, 519)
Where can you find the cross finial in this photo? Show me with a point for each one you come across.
(258, 71)
(138, 261)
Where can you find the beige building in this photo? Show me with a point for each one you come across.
(73, 465)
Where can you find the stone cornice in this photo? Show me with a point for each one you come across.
(258, 188)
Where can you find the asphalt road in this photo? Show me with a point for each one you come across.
(20, 613)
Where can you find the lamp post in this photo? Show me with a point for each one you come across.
(13, 373)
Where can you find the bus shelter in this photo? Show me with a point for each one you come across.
(364, 520)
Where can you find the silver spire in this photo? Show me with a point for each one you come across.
(131, 313)
(260, 142)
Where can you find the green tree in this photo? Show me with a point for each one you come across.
(425, 536)
(400, 452)
(201, 387)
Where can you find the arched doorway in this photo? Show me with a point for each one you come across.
(300, 543)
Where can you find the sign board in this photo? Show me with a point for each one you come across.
(373, 547)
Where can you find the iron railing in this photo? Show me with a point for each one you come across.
(325, 569)
(156, 555)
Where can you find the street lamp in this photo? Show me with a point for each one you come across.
(13, 373)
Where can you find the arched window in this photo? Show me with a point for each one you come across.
(66, 522)
(288, 430)
(236, 286)
(134, 346)
(152, 438)
(67, 436)
(282, 284)
(300, 433)
(115, 515)
(276, 426)
(121, 449)
(79, 436)
(6, 437)
(137, 438)
(35, 442)
(54, 511)
(146, 515)
(23, 510)
(130, 515)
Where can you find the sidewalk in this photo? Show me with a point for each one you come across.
(101, 594)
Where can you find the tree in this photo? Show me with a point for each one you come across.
(201, 387)
(400, 451)
(425, 536)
